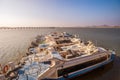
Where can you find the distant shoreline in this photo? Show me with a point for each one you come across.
(57, 27)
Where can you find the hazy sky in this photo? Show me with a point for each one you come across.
(59, 12)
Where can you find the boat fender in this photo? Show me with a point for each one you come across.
(6, 68)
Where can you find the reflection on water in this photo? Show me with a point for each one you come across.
(14, 43)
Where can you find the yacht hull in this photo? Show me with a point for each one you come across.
(83, 71)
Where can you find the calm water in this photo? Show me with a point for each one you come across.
(14, 43)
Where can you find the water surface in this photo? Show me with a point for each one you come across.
(14, 43)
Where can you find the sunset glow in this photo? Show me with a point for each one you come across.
(57, 13)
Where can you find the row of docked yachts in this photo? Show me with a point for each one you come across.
(57, 56)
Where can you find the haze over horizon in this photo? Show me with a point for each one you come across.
(59, 13)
